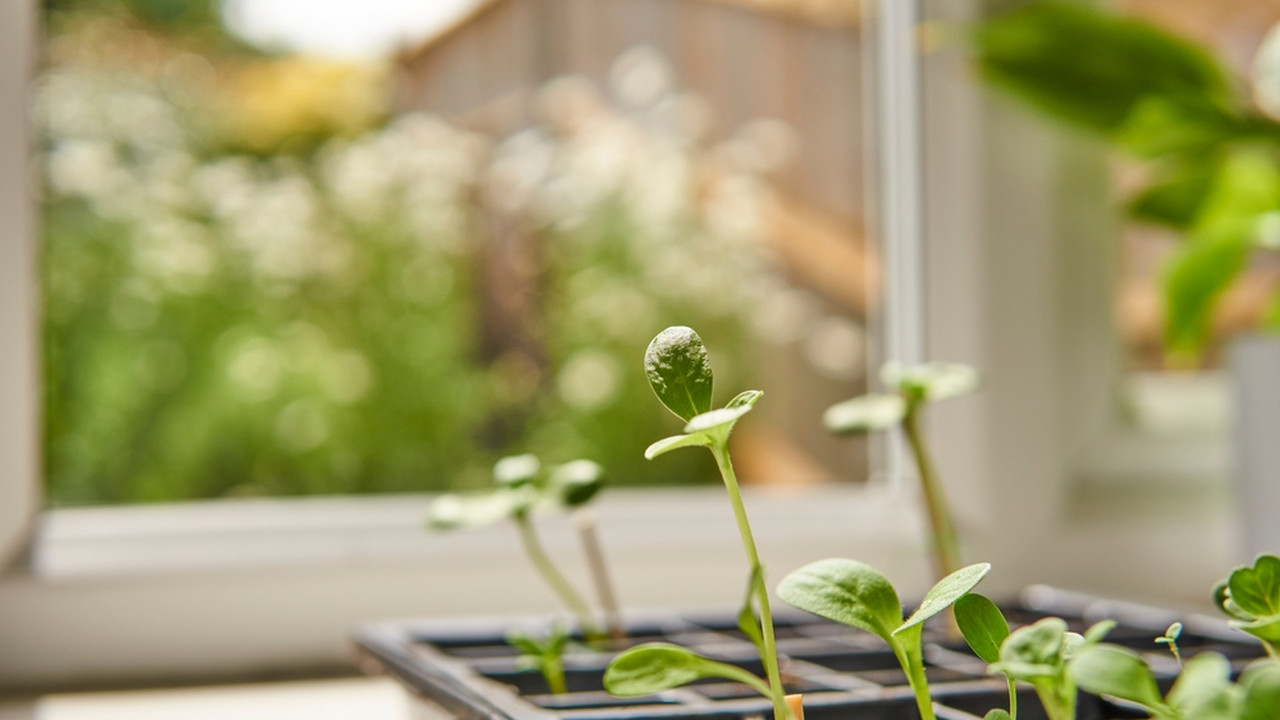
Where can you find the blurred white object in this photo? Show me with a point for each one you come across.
(1255, 367)
(1266, 73)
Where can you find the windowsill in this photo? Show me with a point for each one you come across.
(365, 698)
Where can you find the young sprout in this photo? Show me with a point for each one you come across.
(679, 372)
(1038, 654)
(856, 594)
(911, 388)
(1203, 691)
(1170, 638)
(546, 656)
(521, 488)
(1250, 596)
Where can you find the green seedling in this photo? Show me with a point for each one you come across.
(1038, 654)
(1170, 638)
(856, 594)
(1250, 596)
(545, 655)
(521, 489)
(910, 389)
(1203, 691)
(679, 371)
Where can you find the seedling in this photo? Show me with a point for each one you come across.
(1038, 654)
(546, 655)
(911, 388)
(856, 594)
(1203, 691)
(1170, 638)
(1250, 596)
(522, 488)
(679, 372)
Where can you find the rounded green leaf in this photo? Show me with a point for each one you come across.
(947, 591)
(1256, 590)
(454, 512)
(997, 714)
(516, 470)
(845, 591)
(1039, 643)
(654, 667)
(930, 382)
(1117, 671)
(1098, 631)
(1267, 628)
(1204, 680)
(668, 444)
(679, 371)
(576, 483)
(983, 626)
(867, 413)
(1261, 685)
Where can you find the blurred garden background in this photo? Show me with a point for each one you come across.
(273, 272)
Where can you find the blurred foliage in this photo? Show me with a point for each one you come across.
(380, 308)
(1208, 152)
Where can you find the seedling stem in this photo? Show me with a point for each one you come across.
(946, 546)
(720, 450)
(572, 600)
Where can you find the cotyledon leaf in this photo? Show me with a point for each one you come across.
(679, 371)
(846, 591)
(947, 591)
(654, 667)
(983, 626)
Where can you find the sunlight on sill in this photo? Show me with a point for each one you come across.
(367, 698)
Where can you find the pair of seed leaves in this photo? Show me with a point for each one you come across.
(1251, 597)
(679, 371)
(1045, 652)
(521, 487)
(542, 654)
(912, 385)
(842, 590)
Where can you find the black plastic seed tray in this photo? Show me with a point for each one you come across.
(469, 670)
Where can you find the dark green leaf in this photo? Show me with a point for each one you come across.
(845, 591)
(1256, 590)
(654, 667)
(947, 591)
(1117, 671)
(576, 483)
(1222, 598)
(983, 626)
(679, 371)
(997, 714)
(1090, 67)
(866, 413)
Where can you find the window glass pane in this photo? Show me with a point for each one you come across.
(373, 249)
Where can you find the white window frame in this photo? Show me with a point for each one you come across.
(240, 588)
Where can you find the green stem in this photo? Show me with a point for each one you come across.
(1013, 698)
(1271, 650)
(558, 582)
(553, 672)
(946, 546)
(913, 664)
(769, 657)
